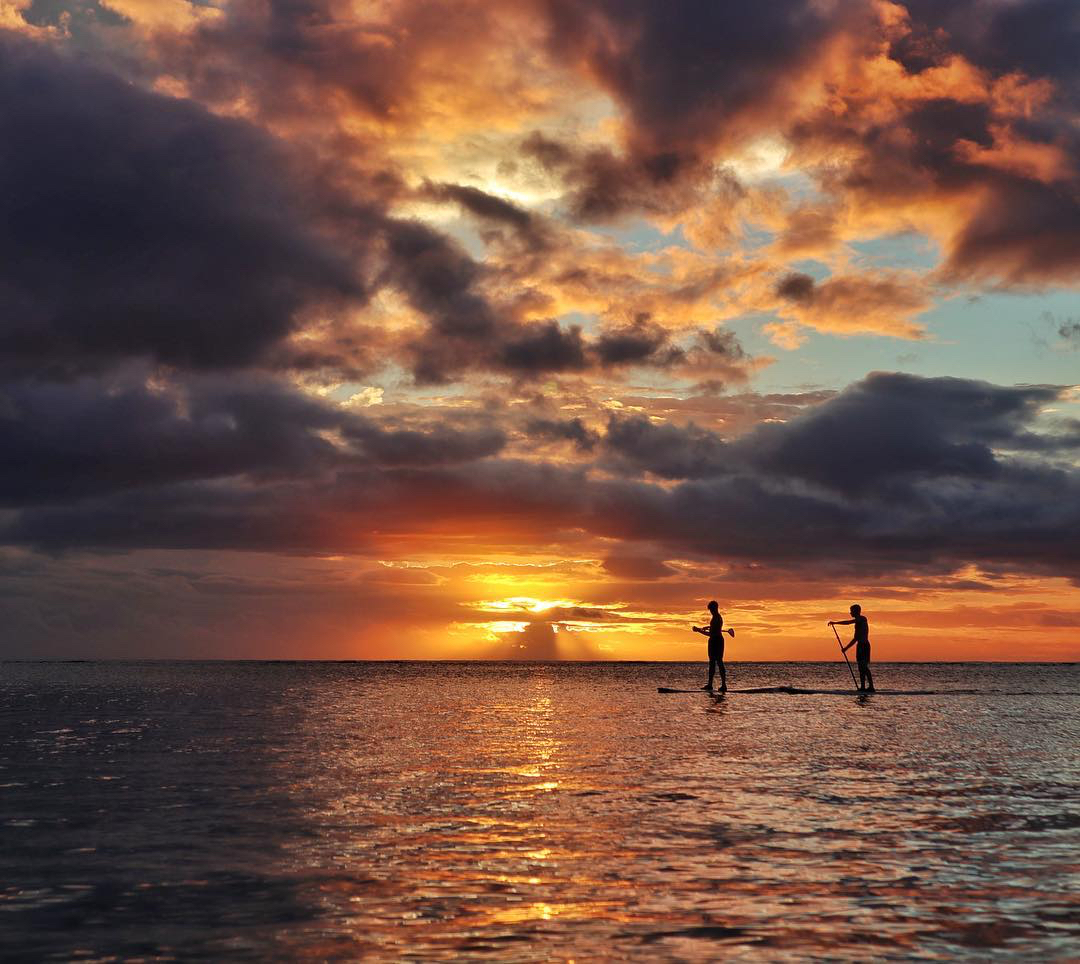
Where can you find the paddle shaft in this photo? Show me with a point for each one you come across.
(846, 660)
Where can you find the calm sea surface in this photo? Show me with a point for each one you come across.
(524, 812)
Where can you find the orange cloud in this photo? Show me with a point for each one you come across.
(882, 304)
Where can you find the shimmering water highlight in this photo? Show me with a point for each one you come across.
(525, 812)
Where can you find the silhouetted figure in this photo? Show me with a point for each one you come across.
(861, 642)
(715, 632)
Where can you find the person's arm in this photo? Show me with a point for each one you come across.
(841, 622)
(700, 629)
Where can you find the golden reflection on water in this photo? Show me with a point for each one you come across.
(443, 812)
(540, 813)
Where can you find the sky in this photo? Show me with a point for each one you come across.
(363, 329)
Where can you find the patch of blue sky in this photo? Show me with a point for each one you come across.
(908, 251)
(465, 234)
(640, 236)
(799, 187)
(589, 324)
(1004, 338)
(817, 270)
(753, 238)
(831, 361)
(749, 330)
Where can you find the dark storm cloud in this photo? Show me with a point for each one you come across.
(1039, 37)
(602, 185)
(724, 343)
(86, 437)
(683, 78)
(466, 330)
(911, 155)
(439, 278)
(535, 349)
(532, 349)
(436, 445)
(890, 431)
(337, 512)
(895, 472)
(641, 341)
(1013, 163)
(544, 346)
(295, 59)
(135, 224)
(201, 514)
(707, 76)
(796, 287)
(883, 434)
(1024, 231)
(557, 430)
(290, 57)
(935, 126)
(880, 301)
(666, 450)
(71, 439)
(894, 468)
(493, 210)
(482, 204)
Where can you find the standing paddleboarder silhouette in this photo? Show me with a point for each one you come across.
(861, 642)
(715, 631)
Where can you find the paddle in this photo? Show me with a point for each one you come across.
(844, 654)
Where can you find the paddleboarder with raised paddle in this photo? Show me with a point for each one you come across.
(861, 641)
(715, 631)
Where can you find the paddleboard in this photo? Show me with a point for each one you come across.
(799, 691)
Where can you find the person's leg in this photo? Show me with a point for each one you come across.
(862, 675)
(723, 676)
(712, 671)
(869, 677)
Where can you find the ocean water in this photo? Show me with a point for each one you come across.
(528, 812)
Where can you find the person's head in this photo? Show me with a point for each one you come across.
(714, 607)
(855, 609)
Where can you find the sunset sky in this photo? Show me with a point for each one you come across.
(523, 328)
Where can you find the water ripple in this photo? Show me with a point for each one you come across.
(433, 811)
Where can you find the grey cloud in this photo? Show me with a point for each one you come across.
(93, 436)
(667, 450)
(570, 430)
(436, 445)
(767, 499)
(641, 341)
(603, 186)
(544, 347)
(637, 567)
(133, 224)
(891, 429)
